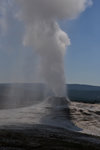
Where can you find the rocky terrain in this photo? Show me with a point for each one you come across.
(86, 117)
(52, 124)
(44, 137)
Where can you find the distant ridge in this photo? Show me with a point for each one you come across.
(84, 93)
(35, 92)
(83, 87)
(70, 86)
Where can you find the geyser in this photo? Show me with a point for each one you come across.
(43, 33)
(56, 102)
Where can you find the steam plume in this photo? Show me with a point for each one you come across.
(45, 36)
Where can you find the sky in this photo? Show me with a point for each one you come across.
(82, 57)
(82, 60)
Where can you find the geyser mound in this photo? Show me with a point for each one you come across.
(55, 102)
(57, 113)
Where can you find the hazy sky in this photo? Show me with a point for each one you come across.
(81, 61)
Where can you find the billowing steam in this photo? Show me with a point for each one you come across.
(45, 36)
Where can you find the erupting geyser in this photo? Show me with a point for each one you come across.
(43, 33)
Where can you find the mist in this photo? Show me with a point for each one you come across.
(44, 35)
(41, 32)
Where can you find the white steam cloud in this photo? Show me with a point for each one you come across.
(45, 36)
(3, 19)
